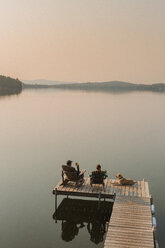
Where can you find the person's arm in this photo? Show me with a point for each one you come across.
(78, 169)
(105, 173)
(90, 174)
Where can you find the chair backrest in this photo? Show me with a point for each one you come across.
(70, 172)
(67, 168)
(98, 176)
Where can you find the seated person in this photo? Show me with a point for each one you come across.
(98, 176)
(98, 170)
(71, 168)
(72, 174)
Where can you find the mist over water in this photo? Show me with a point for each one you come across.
(42, 129)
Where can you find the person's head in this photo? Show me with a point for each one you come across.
(98, 167)
(69, 162)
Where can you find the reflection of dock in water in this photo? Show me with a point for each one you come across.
(75, 214)
(132, 221)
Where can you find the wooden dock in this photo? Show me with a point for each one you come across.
(140, 189)
(131, 220)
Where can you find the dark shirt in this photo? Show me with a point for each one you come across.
(72, 169)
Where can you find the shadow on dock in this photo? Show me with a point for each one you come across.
(75, 214)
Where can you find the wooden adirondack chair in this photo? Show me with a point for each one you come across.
(69, 173)
(97, 177)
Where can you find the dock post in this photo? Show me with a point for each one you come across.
(55, 193)
(99, 200)
(99, 196)
(55, 199)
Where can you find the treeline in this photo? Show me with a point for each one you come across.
(115, 86)
(13, 86)
(9, 85)
(112, 86)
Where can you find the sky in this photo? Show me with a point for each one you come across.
(83, 40)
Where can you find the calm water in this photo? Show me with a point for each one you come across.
(40, 130)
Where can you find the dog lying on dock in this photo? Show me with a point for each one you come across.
(124, 181)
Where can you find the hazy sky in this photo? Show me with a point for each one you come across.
(83, 40)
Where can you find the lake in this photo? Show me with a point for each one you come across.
(41, 129)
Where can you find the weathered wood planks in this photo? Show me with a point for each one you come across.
(140, 189)
(130, 224)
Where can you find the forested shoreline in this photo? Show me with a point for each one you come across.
(9, 85)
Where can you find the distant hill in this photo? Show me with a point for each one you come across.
(14, 86)
(9, 85)
(45, 82)
(111, 86)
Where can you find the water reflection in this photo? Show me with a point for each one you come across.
(76, 214)
(10, 92)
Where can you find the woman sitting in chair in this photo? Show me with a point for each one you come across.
(98, 176)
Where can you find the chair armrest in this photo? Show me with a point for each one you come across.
(82, 172)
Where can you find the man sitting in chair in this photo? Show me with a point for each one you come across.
(72, 174)
(98, 176)
(69, 164)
